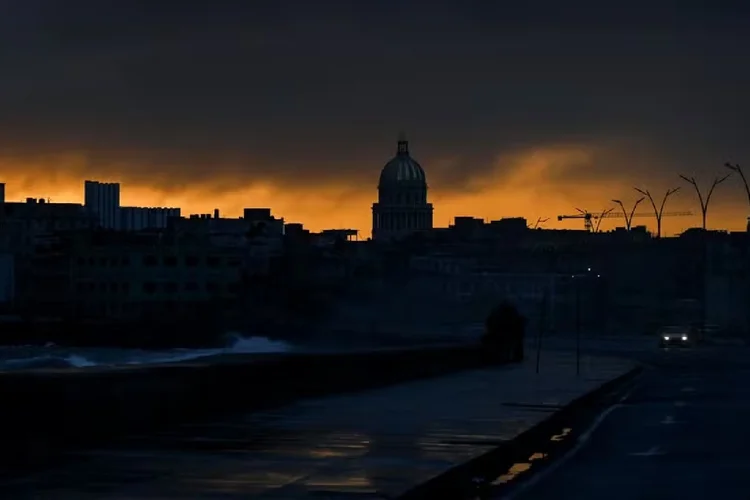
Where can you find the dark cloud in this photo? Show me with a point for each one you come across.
(312, 91)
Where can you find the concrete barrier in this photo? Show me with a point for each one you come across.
(49, 411)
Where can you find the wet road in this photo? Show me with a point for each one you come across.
(683, 432)
(373, 444)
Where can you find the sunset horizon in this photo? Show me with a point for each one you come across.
(517, 188)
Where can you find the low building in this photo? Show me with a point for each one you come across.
(25, 224)
(141, 218)
(131, 277)
(258, 233)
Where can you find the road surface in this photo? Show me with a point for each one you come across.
(682, 433)
(373, 444)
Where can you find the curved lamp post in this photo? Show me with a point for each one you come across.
(658, 212)
(628, 217)
(704, 201)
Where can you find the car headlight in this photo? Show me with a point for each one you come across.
(666, 338)
(684, 337)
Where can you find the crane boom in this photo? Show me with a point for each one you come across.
(588, 216)
(645, 214)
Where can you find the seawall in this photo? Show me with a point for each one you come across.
(50, 411)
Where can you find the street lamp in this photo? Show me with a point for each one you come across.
(704, 202)
(628, 219)
(542, 325)
(578, 279)
(660, 211)
(736, 168)
(703, 242)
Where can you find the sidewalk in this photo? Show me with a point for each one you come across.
(375, 444)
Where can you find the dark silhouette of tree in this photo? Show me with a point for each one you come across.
(504, 332)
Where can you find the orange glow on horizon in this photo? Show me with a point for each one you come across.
(531, 188)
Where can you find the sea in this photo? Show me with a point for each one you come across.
(53, 356)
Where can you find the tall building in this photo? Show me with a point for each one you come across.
(103, 199)
(402, 207)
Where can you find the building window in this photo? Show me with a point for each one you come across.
(126, 261)
(191, 286)
(149, 287)
(150, 260)
(170, 287)
(170, 261)
(81, 261)
(212, 287)
(191, 261)
(212, 262)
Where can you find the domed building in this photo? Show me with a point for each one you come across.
(402, 207)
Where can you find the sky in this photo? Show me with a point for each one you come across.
(526, 109)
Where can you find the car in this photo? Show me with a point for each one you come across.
(676, 336)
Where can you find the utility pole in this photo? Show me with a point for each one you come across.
(658, 212)
(704, 202)
(628, 218)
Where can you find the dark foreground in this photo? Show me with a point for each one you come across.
(682, 433)
(371, 444)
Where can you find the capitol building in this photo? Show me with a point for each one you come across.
(402, 208)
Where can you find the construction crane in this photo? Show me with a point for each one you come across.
(589, 218)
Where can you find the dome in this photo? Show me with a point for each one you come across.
(402, 168)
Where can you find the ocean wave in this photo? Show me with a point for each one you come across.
(52, 356)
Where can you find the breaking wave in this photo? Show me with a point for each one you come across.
(52, 356)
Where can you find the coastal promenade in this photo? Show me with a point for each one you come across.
(373, 444)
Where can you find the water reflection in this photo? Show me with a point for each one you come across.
(521, 467)
(514, 471)
(247, 482)
(298, 461)
(449, 441)
(342, 484)
(322, 446)
(518, 468)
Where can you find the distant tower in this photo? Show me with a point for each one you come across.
(402, 207)
(2, 192)
(103, 199)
